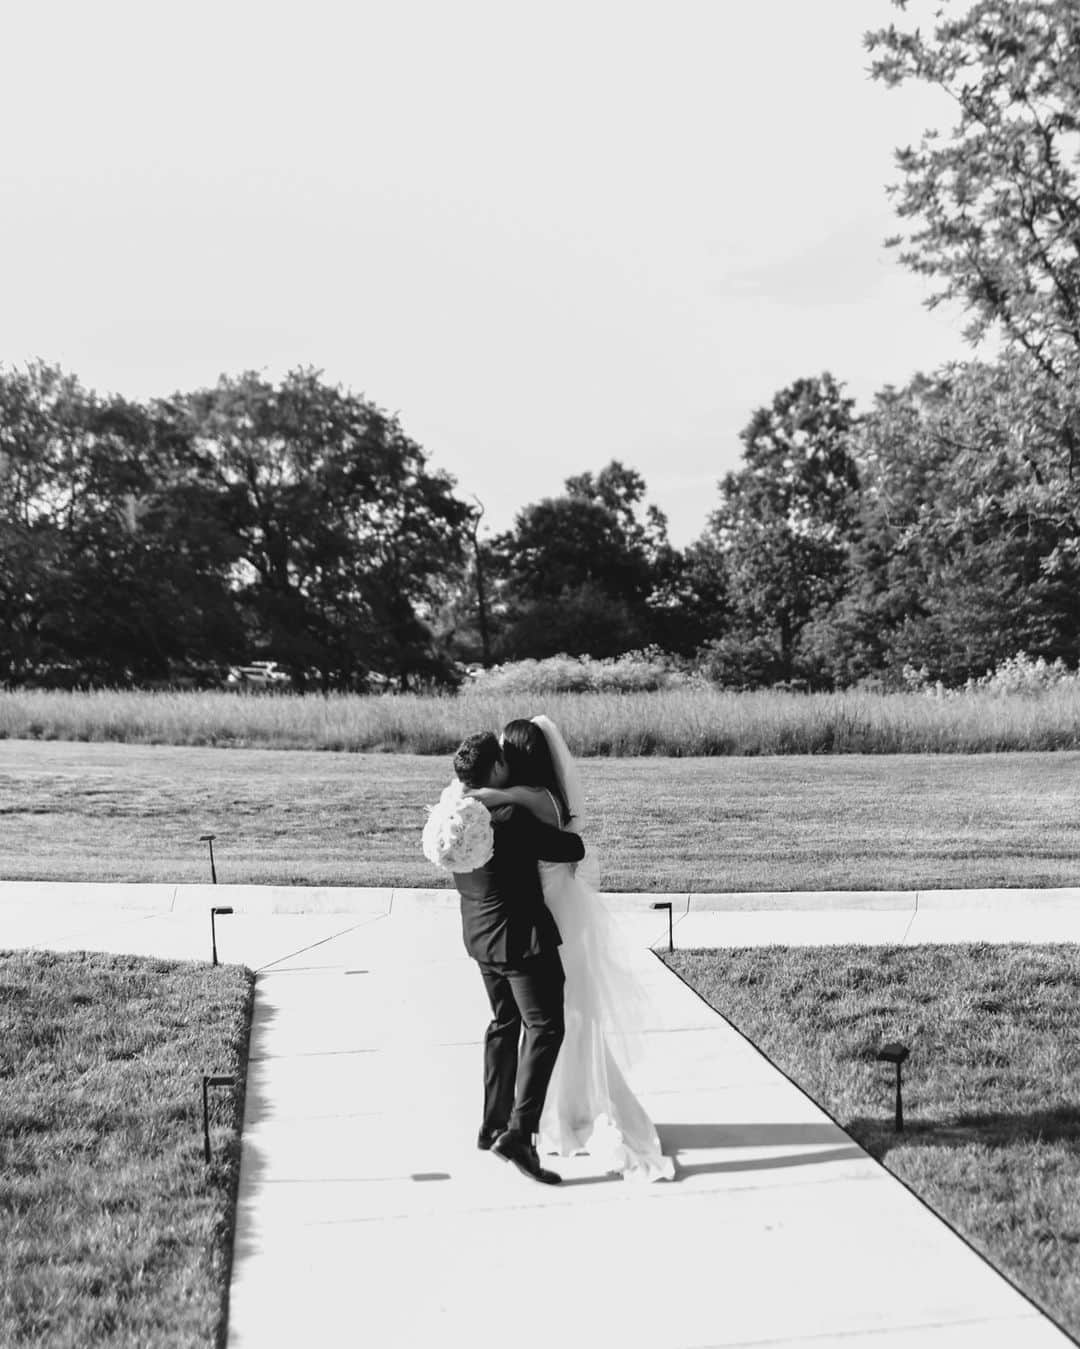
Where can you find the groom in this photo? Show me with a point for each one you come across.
(512, 936)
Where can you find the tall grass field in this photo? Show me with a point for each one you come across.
(693, 721)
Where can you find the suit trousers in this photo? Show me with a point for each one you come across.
(526, 994)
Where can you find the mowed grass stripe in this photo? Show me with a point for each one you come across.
(116, 812)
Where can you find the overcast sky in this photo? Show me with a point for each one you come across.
(545, 236)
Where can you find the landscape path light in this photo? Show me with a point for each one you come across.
(209, 840)
(895, 1052)
(207, 1082)
(666, 904)
(219, 908)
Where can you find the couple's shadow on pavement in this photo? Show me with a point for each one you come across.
(681, 1141)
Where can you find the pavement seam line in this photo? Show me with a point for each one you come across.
(911, 920)
(322, 942)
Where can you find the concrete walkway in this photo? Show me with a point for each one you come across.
(35, 912)
(366, 1216)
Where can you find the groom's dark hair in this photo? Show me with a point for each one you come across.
(476, 756)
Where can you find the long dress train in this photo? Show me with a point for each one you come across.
(589, 1105)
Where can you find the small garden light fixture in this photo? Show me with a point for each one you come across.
(208, 839)
(895, 1053)
(213, 930)
(666, 904)
(207, 1082)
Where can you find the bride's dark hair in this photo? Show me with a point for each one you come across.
(528, 756)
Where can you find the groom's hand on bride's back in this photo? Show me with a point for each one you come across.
(552, 844)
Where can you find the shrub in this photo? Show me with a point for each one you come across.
(1021, 674)
(740, 661)
(633, 672)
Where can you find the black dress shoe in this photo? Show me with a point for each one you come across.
(518, 1149)
(486, 1137)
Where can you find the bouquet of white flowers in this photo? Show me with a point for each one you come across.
(458, 834)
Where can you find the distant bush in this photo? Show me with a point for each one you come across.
(634, 672)
(1019, 675)
(740, 661)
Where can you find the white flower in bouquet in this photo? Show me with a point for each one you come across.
(458, 834)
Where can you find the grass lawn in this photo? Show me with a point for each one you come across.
(991, 1091)
(115, 1231)
(74, 811)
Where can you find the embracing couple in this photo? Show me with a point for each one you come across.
(564, 996)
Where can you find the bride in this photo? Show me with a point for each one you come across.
(589, 1105)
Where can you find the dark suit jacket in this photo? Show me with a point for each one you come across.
(503, 915)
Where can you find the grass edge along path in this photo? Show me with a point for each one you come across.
(115, 1228)
(991, 1140)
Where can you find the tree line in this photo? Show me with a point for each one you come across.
(158, 542)
(145, 542)
(148, 541)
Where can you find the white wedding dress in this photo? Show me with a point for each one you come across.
(589, 1105)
